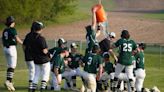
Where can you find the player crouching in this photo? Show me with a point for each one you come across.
(102, 84)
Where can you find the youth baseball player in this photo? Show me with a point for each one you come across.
(74, 63)
(140, 70)
(41, 56)
(126, 47)
(92, 63)
(93, 31)
(10, 39)
(106, 43)
(59, 69)
(28, 54)
(54, 52)
(108, 70)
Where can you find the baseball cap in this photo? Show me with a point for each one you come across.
(112, 35)
(74, 45)
(61, 41)
(9, 20)
(36, 25)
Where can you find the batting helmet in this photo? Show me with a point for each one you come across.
(9, 20)
(125, 34)
(36, 26)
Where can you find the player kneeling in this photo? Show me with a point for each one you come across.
(102, 84)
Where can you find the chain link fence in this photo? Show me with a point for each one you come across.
(154, 54)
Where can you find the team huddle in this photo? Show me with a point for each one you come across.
(95, 67)
(63, 63)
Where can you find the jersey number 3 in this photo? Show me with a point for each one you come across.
(127, 47)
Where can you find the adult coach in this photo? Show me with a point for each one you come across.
(10, 39)
(41, 56)
(127, 46)
(140, 69)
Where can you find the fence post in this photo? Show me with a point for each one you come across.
(160, 56)
(81, 46)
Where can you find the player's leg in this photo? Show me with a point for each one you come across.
(45, 75)
(68, 77)
(52, 76)
(11, 56)
(31, 68)
(129, 71)
(111, 80)
(92, 82)
(74, 81)
(118, 71)
(36, 78)
(140, 76)
(102, 84)
(84, 77)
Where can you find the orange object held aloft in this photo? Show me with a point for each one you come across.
(100, 13)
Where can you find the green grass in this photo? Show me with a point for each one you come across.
(159, 16)
(154, 69)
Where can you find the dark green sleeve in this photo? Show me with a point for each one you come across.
(51, 50)
(56, 62)
(134, 45)
(117, 43)
(100, 60)
(14, 32)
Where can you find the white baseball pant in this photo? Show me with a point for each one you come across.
(140, 76)
(11, 56)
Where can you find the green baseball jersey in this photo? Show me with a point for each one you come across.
(91, 38)
(55, 51)
(108, 67)
(75, 58)
(92, 62)
(8, 37)
(126, 46)
(140, 60)
(58, 62)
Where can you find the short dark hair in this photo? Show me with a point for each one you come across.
(95, 48)
(125, 34)
(142, 45)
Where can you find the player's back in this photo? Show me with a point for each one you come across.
(126, 46)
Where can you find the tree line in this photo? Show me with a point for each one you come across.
(31, 10)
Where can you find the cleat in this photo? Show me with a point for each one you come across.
(9, 86)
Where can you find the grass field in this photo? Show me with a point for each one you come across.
(154, 70)
(159, 16)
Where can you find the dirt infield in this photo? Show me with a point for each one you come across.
(149, 31)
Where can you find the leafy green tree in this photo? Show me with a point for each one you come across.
(31, 10)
